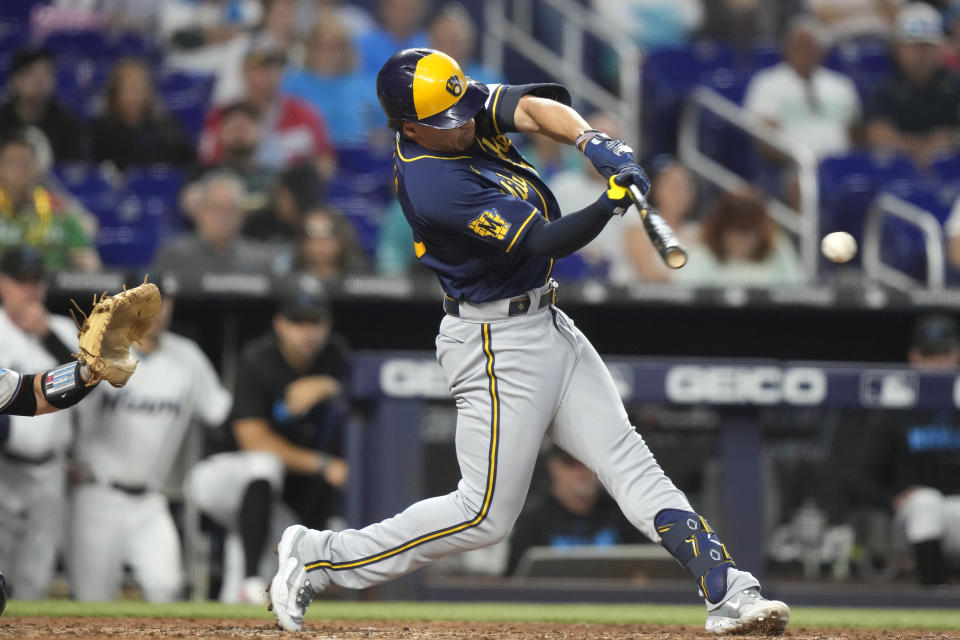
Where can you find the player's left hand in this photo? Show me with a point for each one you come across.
(617, 198)
(609, 155)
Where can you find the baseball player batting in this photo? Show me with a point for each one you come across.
(517, 366)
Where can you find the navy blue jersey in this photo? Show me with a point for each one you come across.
(469, 212)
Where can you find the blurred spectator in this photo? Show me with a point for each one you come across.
(740, 245)
(577, 188)
(654, 24)
(328, 247)
(453, 31)
(292, 131)
(575, 512)
(745, 23)
(356, 19)
(951, 229)
(401, 27)
(128, 442)
(912, 459)
(240, 133)
(333, 84)
(394, 254)
(32, 215)
(132, 129)
(851, 19)
(189, 25)
(32, 450)
(810, 104)
(275, 31)
(952, 50)
(30, 102)
(289, 419)
(674, 194)
(551, 157)
(916, 112)
(297, 190)
(215, 246)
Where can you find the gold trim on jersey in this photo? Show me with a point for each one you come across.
(401, 156)
(419, 249)
(493, 109)
(488, 493)
(517, 234)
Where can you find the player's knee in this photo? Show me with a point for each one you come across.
(922, 500)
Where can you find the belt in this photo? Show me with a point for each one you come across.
(518, 306)
(36, 460)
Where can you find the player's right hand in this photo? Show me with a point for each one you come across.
(616, 199)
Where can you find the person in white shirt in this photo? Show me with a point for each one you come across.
(128, 441)
(811, 105)
(32, 449)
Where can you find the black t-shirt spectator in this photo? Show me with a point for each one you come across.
(160, 140)
(917, 110)
(544, 522)
(906, 449)
(65, 133)
(264, 225)
(262, 378)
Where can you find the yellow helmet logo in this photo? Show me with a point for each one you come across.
(438, 84)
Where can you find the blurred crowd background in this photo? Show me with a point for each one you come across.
(244, 139)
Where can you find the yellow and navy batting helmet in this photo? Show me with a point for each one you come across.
(427, 86)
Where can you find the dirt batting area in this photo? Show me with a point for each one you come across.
(41, 628)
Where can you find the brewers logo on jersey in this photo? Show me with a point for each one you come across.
(489, 223)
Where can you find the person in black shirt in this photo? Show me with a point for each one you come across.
(132, 131)
(917, 111)
(32, 80)
(288, 421)
(576, 511)
(912, 461)
(298, 189)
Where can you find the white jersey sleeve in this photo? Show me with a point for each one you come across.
(212, 402)
(9, 385)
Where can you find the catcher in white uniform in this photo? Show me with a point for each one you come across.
(128, 442)
(31, 480)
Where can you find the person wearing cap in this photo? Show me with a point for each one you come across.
(287, 427)
(32, 80)
(128, 441)
(292, 130)
(917, 111)
(31, 214)
(400, 26)
(32, 449)
(911, 458)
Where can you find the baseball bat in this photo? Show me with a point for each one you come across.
(661, 235)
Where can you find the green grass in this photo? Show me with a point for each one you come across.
(494, 612)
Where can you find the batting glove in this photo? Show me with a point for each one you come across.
(608, 155)
(616, 199)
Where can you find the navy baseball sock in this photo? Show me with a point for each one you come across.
(254, 521)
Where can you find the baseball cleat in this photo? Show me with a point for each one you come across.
(290, 590)
(749, 612)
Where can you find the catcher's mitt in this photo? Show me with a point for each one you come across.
(113, 325)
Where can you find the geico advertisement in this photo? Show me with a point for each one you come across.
(761, 385)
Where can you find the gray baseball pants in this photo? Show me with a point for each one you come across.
(515, 380)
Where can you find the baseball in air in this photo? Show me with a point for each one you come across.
(838, 246)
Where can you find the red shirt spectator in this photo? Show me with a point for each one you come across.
(295, 133)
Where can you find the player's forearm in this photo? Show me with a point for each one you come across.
(549, 118)
(255, 435)
(565, 235)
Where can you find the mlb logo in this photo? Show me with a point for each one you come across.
(888, 389)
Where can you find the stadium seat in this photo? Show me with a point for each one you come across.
(947, 170)
(19, 10)
(849, 183)
(127, 246)
(90, 187)
(668, 76)
(187, 96)
(902, 244)
(85, 44)
(867, 61)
